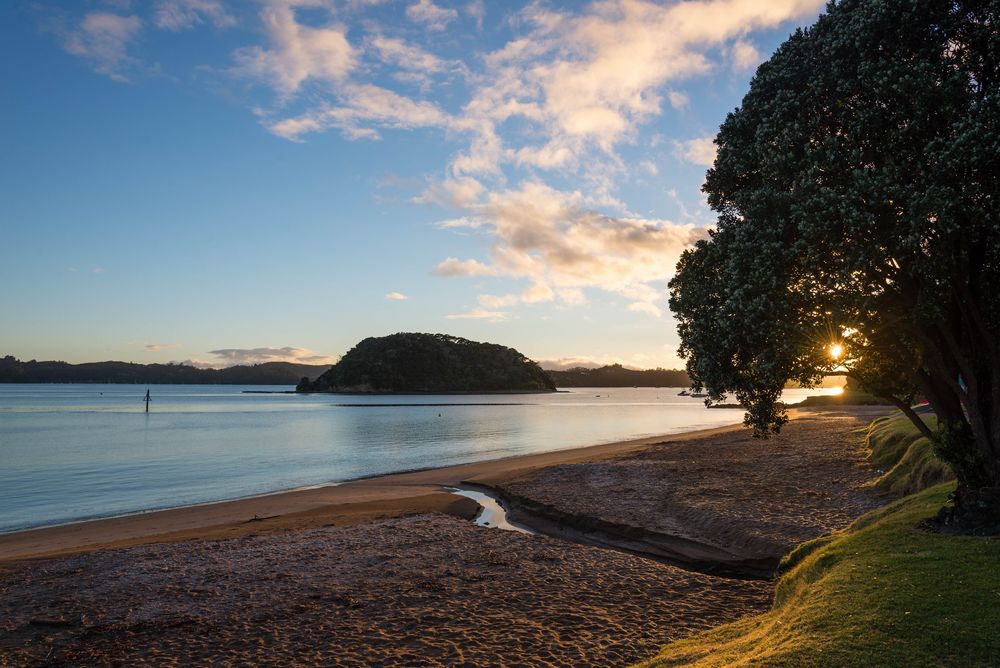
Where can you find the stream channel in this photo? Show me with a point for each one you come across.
(676, 551)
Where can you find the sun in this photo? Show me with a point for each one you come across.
(836, 350)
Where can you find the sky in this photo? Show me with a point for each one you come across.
(220, 181)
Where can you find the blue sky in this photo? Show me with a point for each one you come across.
(218, 182)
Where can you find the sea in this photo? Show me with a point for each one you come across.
(74, 452)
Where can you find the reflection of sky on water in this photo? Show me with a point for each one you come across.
(77, 451)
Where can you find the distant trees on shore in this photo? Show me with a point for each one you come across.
(13, 370)
(615, 375)
(857, 189)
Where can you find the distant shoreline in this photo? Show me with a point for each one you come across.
(424, 393)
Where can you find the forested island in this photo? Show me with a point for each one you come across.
(615, 375)
(13, 370)
(430, 363)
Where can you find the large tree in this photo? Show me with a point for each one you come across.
(858, 208)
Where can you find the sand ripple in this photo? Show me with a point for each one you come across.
(429, 590)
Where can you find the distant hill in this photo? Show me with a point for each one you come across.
(616, 375)
(430, 363)
(13, 370)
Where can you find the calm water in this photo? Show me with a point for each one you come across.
(73, 452)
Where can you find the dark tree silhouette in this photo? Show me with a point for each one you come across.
(859, 216)
(410, 362)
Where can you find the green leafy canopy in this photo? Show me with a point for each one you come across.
(856, 189)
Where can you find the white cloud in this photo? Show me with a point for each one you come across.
(700, 151)
(562, 245)
(576, 83)
(477, 10)
(297, 52)
(454, 267)
(430, 15)
(463, 221)
(457, 193)
(407, 56)
(645, 307)
(498, 301)
(102, 39)
(234, 356)
(678, 99)
(183, 14)
(396, 296)
(556, 239)
(479, 314)
(745, 55)
(363, 105)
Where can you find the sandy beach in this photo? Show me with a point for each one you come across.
(389, 571)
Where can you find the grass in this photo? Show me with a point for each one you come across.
(905, 458)
(881, 593)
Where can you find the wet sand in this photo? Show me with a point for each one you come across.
(715, 498)
(389, 571)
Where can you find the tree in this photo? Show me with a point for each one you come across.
(858, 229)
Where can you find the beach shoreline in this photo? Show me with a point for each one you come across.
(390, 571)
(336, 504)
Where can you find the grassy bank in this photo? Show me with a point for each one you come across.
(881, 593)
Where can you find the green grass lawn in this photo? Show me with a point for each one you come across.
(881, 593)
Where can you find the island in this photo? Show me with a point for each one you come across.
(418, 363)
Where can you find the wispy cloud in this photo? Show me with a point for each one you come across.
(233, 356)
(430, 15)
(184, 14)
(645, 307)
(396, 296)
(477, 10)
(700, 151)
(577, 82)
(102, 39)
(156, 347)
(363, 105)
(479, 314)
(591, 362)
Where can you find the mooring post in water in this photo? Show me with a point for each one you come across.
(147, 400)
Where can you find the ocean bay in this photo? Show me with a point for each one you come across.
(71, 452)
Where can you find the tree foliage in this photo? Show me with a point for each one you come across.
(410, 362)
(856, 189)
(615, 375)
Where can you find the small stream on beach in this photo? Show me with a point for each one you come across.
(491, 514)
(674, 550)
